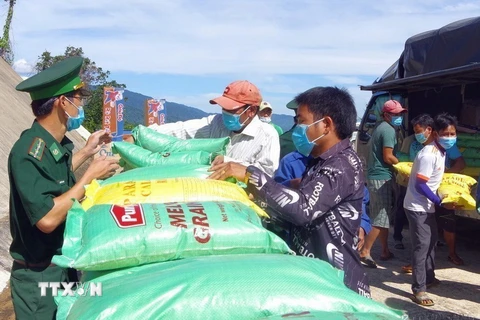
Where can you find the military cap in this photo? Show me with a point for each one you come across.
(292, 105)
(60, 78)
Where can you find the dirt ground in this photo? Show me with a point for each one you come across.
(457, 297)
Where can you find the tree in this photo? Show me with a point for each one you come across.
(5, 44)
(93, 76)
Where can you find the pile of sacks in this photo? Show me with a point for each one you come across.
(167, 243)
(469, 146)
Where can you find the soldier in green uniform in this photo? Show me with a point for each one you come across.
(286, 142)
(42, 184)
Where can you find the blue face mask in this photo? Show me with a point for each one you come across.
(300, 138)
(396, 121)
(421, 137)
(75, 122)
(232, 121)
(447, 142)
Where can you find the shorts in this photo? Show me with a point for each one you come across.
(446, 219)
(381, 202)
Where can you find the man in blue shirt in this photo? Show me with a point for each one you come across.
(289, 173)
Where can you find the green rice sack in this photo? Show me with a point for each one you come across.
(134, 156)
(161, 172)
(114, 236)
(249, 286)
(157, 142)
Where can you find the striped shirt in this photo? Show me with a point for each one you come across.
(256, 145)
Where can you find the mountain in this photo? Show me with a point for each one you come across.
(134, 111)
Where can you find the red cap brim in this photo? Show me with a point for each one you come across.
(227, 103)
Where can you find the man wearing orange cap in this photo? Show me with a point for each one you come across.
(251, 142)
(379, 180)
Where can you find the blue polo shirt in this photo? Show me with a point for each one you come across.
(293, 165)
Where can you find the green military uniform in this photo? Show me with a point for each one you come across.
(39, 169)
(286, 142)
(277, 128)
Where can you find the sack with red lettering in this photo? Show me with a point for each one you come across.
(114, 236)
(247, 286)
(166, 190)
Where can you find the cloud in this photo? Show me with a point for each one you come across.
(283, 46)
(212, 37)
(21, 66)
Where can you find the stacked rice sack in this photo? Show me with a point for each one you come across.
(469, 145)
(167, 243)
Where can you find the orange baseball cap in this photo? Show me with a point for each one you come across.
(237, 94)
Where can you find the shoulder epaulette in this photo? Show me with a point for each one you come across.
(36, 148)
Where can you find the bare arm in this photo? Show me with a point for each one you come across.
(457, 165)
(389, 157)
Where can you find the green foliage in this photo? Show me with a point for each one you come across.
(92, 75)
(5, 43)
(129, 126)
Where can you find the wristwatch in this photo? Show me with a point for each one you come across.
(248, 173)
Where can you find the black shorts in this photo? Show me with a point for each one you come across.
(446, 219)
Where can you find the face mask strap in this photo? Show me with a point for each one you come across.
(78, 108)
(243, 123)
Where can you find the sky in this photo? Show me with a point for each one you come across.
(188, 51)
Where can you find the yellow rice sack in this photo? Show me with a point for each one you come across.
(455, 188)
(454, 194)
(460, 180)
(404, 168)
(165, 191)
(403, 172)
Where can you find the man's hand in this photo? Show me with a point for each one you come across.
(451, 206)
(218, 160)
(102, 168)
(361, 238)
(96, 141)
(223, 171)
(295, 183)
(128, 138)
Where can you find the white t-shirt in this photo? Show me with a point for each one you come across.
(429, 165)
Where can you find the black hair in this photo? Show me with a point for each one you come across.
(423, 120)
(43, 107)
(333, 102)
(443, 120)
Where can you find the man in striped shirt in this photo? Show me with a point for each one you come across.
(252, 142)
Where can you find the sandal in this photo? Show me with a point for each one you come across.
(390, 256)
(399, 245)
(456, 260)
(368, 262)
(434, 283)
(422, 299)
(407, 269)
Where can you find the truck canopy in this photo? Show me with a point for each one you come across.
(443, 57)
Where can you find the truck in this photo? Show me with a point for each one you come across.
(438, 71)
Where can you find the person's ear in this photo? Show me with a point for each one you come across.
(252, 111)
(328, 123)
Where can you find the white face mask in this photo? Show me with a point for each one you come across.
(266, 119)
